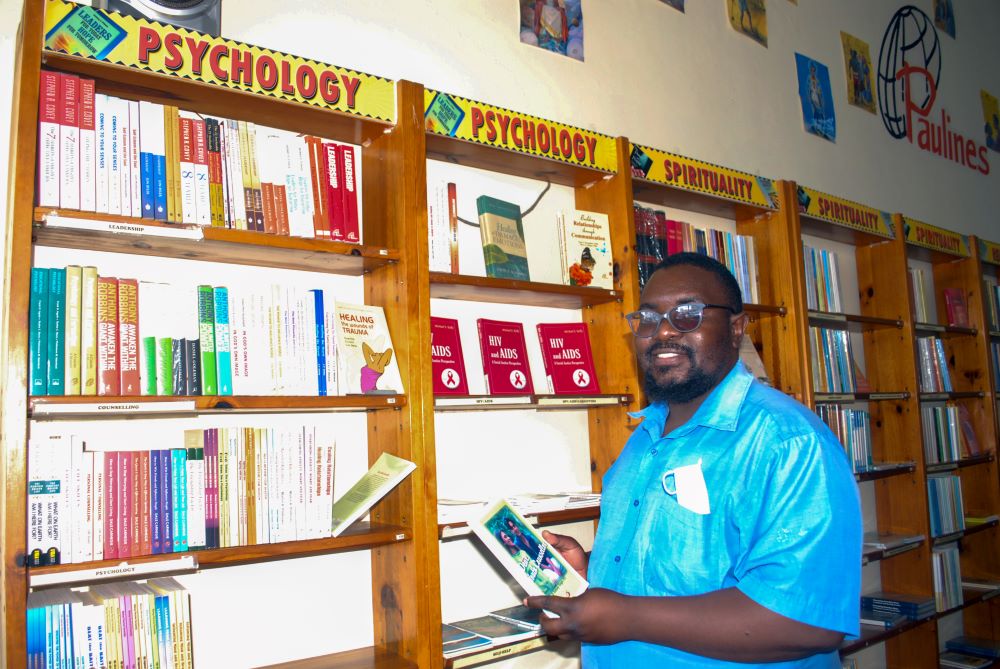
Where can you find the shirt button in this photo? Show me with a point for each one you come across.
(618, 558)
(635, 502)
(653, 452)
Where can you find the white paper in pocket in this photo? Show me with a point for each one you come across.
(687, 485)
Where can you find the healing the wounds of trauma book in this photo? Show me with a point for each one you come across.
(522, 551)
(365, 354)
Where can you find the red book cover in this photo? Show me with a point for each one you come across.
(135, 503)
(110, 505)
(69, 141)
(955, 305)
(124, 505)
(505, 357)
(212, 488)
(569, 363)
(352, 230)
(108, 380)
(281, 208)
(447, 361)
(128, 336)
(317, 175)
(334, 189)
(675, 237)
(88, 148)
(214, 153)
(145, 528)
(48, 139)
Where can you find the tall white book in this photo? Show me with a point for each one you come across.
(135, 174)
(102, 121)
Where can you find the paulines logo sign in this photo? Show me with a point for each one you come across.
(909, 75)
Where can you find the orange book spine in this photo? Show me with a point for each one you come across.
(108, 380)
(128, 336)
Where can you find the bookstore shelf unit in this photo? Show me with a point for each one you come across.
(402, 532)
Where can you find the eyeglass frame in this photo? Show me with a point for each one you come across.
(667, 317)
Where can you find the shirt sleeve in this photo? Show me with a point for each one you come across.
(800, 555)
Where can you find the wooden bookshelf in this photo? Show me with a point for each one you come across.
(512, 291)
(360, 658)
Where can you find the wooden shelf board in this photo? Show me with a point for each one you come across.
(841, 321)
(217, 245)
(961, 534)
(877, 554)
(945, 330)
(763, 309)
(539, 402)
(540, 519)
(941, 397)
(360, 536)
(644, 190)
(512, 291)
(495, 159)
(135, 84)
(847, 398)
(119, 406)
(493, 653)
(871, 635)
(970, 461)
(358, 658)
(994, 334)
(885, 470)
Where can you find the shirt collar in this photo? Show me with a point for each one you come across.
(720, 410)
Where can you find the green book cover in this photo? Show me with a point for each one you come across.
(502, 234)
(223, 354)
(149, 365)
(164, 352)
(56, 332)
(206, 335)
(38, 339)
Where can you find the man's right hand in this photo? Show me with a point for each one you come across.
(570, 549)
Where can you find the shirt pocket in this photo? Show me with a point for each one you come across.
(682, 551)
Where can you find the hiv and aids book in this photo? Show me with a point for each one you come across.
(447, 361)
(520, 548)
(569, 363)
(505, 357)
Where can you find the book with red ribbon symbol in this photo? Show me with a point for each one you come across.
(447, 361)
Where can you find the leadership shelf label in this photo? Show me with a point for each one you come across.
(932, 237)
(454, 116)
(843, 212)
(989, 252)
(701, 177)
(146, 45)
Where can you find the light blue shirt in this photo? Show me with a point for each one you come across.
(784, 521)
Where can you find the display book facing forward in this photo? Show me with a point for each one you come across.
(502, 233)
(585, 249)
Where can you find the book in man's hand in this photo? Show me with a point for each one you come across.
(521, 550)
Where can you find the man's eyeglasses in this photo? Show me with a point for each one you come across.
(683, 318)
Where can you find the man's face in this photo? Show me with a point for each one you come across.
(683, 366)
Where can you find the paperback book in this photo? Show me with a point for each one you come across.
(521, 550)
(569, 362)
(382, 477)
(585, 249)
(447, 361)
(505, 357)
(365, 357)
(502, 233)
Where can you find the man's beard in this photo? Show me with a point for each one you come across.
(697, 383)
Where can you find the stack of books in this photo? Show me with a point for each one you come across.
(953, 660)
(913, 607)
(970, 645)
(497, 628)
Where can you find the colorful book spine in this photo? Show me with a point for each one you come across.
(188, 180)
(74, 280)
(335, 194)
(128, 336)
(351, 223)
(111, 505)
(155, 504)
(321, 359)
(48, 139)
(145, 500)
(88, 147)
(206, 332)
(69, 141)
(55, 330)
(108, 378)
(178, 464)
(38, 307)
(216, 198)
(223, 353)
(88, 331)
(166, 501)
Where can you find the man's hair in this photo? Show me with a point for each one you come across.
(734, 297)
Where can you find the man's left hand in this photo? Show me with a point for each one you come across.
(596, 616)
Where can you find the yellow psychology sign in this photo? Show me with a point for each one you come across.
(696, 175)
(989, 252)
(843, 212)
(935, 238)
(454, 116)
(84, 31)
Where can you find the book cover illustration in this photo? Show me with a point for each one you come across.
(522, 551)
(365, 353)
(502, 233)
(447, 361)
(750, 18)
(569, 362)
(860, 73)
(443, 115)
(505, 357)
(585, 249)
(816, 97)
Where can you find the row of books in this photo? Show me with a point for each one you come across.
(853, 427)
(955, 303)
(911, 607)
(569, 363)
(947, 577)
(986, 650)
(944, 499)
(933, 363)
(142, 159)
(995, 361)
(992, 293)
(948, 433)
(98, 335)
(129, 624)
(226, 487)
(658, 237)
(503, 626)
(832, 361)
(822, 280)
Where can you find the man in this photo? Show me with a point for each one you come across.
(730, 532)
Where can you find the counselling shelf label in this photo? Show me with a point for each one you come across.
(80, 30)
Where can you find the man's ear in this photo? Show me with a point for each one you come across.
(738, 326)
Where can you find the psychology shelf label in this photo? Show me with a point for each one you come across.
(989, 252)
(932, 237)
(80, 30)
(455, 116)
(843, 212)
(699, 176)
